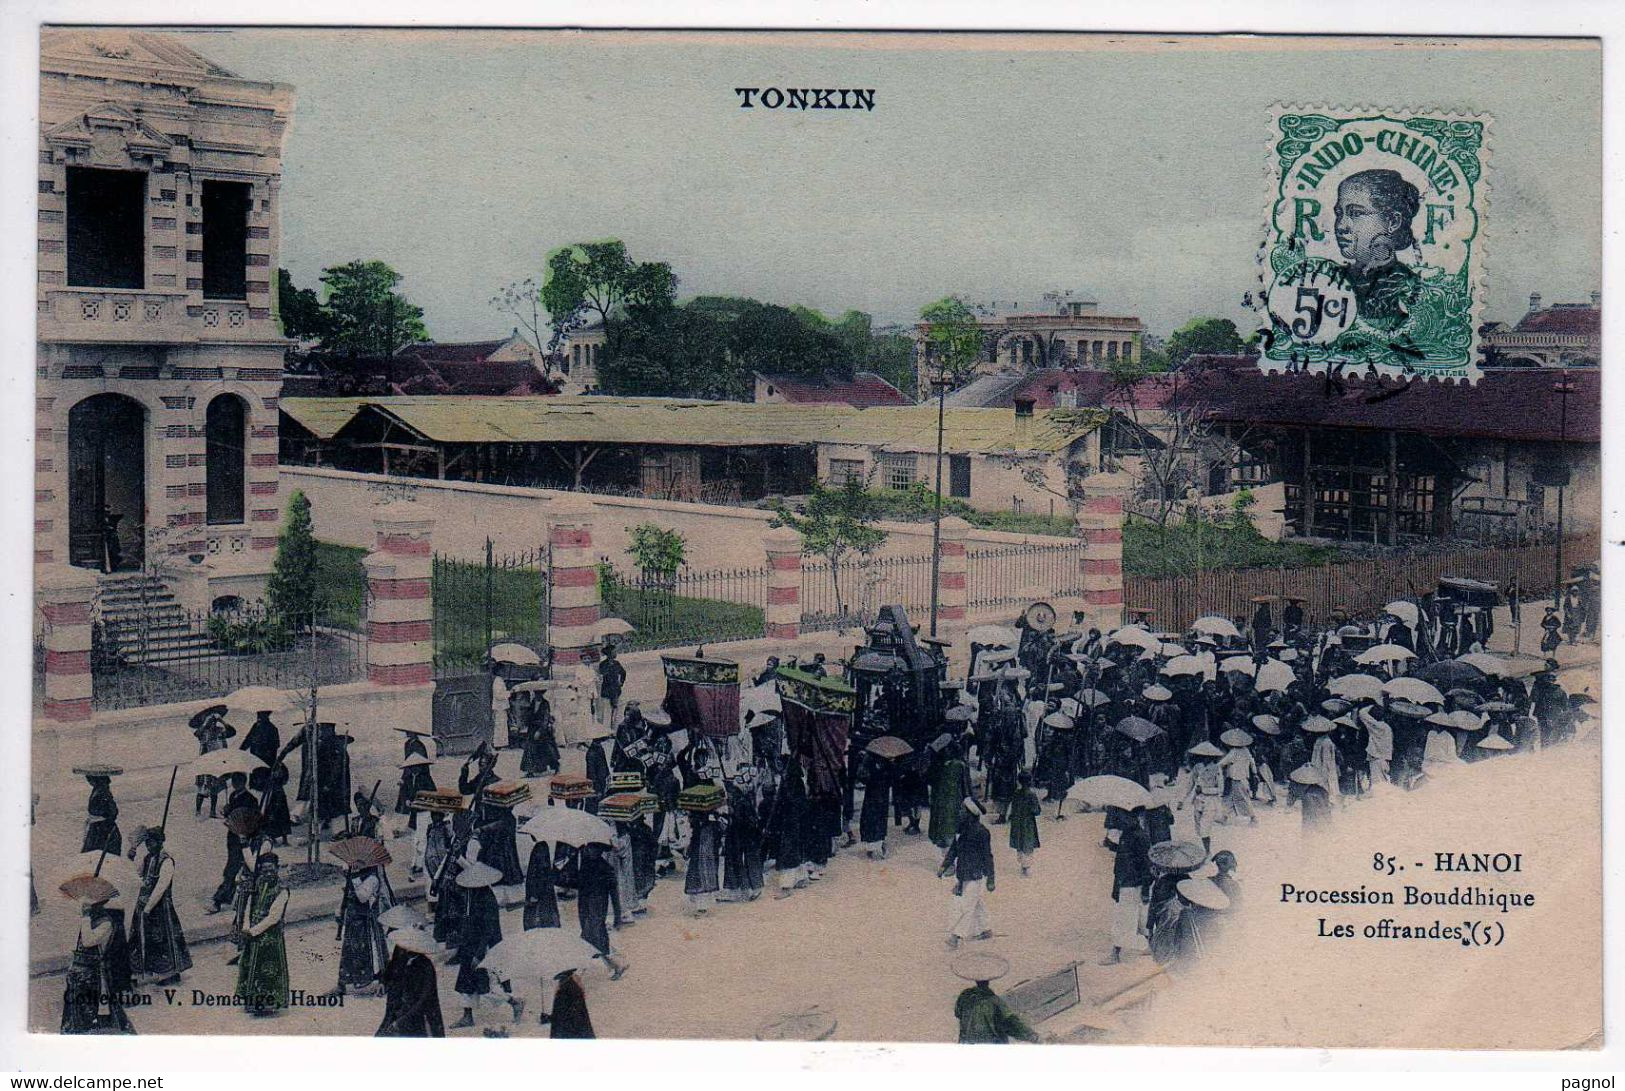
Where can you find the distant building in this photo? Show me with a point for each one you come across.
(507, 367)
(1562, 335)
(574, 364)
(1061, 332)
(864, 390)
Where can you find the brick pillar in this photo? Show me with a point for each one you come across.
(952, 597)
(783, 547)
(573, 604)
(1100, 524)
(65, 597)
(400, 610)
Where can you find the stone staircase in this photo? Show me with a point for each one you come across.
(143, 622)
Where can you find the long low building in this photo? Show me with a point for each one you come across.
(683, 449)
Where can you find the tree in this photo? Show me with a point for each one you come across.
(303, 316)
(835, 524)
(523, 301)
(600, 278)
(953, 339)
(1204, 336)
(290, 593)
(369, 318)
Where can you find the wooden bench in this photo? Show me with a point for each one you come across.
(1061, 1009)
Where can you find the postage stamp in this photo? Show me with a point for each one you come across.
(1373, 256)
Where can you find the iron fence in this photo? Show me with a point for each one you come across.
(477, 604)
(164, 654)
(1015, 575)
(852, 593)
(688, 607)
(1362, 587)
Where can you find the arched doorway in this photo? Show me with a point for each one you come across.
(225, 455)
(107, 483)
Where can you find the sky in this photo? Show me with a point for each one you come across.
(1130, 170)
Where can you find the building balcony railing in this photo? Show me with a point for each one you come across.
(149, 315)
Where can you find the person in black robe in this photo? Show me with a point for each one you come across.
(1006, 740)
(158, 951)
(645, 854)
(499, 829)
(411, 990)
(874, 815)
(741, 843)
(540, 756)
(92, 1001)
(417, 775)
(236, 863)
(324, 776)
(263, 740)
(366, 816)
(703, 876)
(569, 1018)
(479, 931)
(362, 951)
(443, 865)
(1551, 708)
(611, 681)
(101, 824)
(596, 895)
(541, 901)
(598, 770)
(272, 787)
(786, 829)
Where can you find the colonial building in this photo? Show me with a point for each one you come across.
(863, 391)
(574, 364)
(160, 351)
(1061, 332)
(1562, 335)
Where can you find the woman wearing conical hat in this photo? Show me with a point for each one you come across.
(91, 1001)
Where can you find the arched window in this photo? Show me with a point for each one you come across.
(225, 456)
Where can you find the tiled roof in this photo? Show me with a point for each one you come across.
(863, 390)
(453, 352)
(1578, 319)
(987, 391)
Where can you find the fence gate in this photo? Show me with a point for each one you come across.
(480, 605)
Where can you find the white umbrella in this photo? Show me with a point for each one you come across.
(1213, 625)
(1184, 664)
(1385, 653)
(1273, 675)
(998, 635)
(1239, 664)
(1404, 611)
(1413, 689)
(1171, 649)
(1136, 637)
(1502, 666)
(1356, 687)
(517, 654)
(258, 699)
(539, 953)
(761, 699)
(1111, 791)
(223, 763)
(568, 826)
(542, 685)
(613, 626)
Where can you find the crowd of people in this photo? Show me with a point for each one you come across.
(1168, 734)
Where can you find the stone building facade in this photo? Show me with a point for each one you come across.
(1061, 332)
(1560, 335)
(160, 352)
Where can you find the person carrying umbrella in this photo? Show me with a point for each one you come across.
(240, 800)
(970, 858)
(1024, 811)
(411, 988)
(480, 929)
(875, 813)
(1239, 768)
(1131, 876)
(92, 1001)
(263, 739)
(570, 1018)
(540, 755)
(211, 730)
(949, 786)
(596, 895)
(362, 951)
(101, 821)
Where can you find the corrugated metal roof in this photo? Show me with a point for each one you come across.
(686, 422)
(322, 417)
(968, 431)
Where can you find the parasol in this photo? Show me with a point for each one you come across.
(1181, 665)
(1385, 653)
(516, 654)
(1060, 721)
(1136, 637)
(1203, 892)
(542, 685)
(360, 852)
(1335, 706)
(1449, 673)
(1404, 611)
(202, 715)
(960, 714)
(1213, 625)
(1177, 855)
(1504, 666)
(1112, 791)
(761, 699)
(1413, 689)
(259, 699)
(1407, 708)
(539, 953)
(1356, 687)
(1137, 728)
(115, 870)
(402, 916)
(1093, 698)
(223, 763)
(995, 635)
(568, 826)
(1239, 664)
(889, 747)
(1460, 720)
(88, 889)
(1274, 675)
(613, 626)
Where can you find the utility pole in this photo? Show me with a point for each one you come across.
(941, 384)
(1563, 388)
